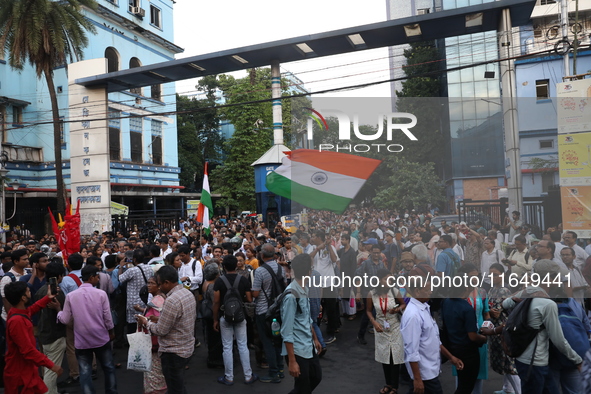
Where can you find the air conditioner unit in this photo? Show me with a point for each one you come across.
(138, 11)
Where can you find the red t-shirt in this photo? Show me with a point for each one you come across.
(22, 357)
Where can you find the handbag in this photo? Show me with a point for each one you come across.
(144, 294)
(139, 357)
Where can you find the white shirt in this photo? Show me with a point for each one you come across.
(196, 276)
(588, 249)
(166, 253)
(324, 265)
(379, 233)
(581, 256)
(488, 259)
(421, 339)
(354, 243)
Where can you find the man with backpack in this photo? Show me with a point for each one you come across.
(448, 261)
(20, 260)
(230, 291)
(543, 326)
(267, 286)
(300, 343)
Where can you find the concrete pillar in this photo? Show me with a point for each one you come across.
(89, 147)
(277, 114)
(511, 126)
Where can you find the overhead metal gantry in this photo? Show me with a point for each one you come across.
(450, 23)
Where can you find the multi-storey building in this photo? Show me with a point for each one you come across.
(142, 144)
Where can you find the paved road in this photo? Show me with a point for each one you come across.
(347, 367)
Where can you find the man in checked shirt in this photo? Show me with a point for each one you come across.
(175, 328)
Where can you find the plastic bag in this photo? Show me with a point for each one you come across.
(139, 357)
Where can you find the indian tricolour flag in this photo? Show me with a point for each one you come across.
(205, 209)
(321, 180)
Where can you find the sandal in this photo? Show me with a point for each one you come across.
(387, 389)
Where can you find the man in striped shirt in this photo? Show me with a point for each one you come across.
(175, 328)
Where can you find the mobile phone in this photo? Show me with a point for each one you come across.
(53, 285)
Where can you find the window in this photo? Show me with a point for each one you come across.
(156, 142)
(545, 144)
(135, 133)
(112, 59)
(113, 2)
(134, 62)
(156, 92)
(114, 134)
(422, 11)
(546, 2)
(547, 180)
(17, 115)
(155, 16)
(133, 4)
(542, 89)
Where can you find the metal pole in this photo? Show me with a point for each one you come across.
(276, 94)
(564, 24)
(511, 125)
(3, 218)
(576, 40)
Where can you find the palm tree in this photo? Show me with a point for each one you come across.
(47, 34)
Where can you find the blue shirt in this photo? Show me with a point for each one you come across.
(446, 264)
(68, 284)
(421, 339)
(296, 327)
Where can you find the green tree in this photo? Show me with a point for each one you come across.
(46, 34)
(199, 139)
(422, 70)
(412, 186)
(253, 135)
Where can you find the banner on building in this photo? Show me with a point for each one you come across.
(291, 222)
(576, 210)
(119, 209)
(574, 159)
(574, 106)
(192, 206)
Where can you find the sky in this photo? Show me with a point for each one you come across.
(203, 27)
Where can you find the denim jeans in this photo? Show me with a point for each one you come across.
(104, 355)
(272, 352)
(540, 379)
(228, 332)
(173, 369)
(570, 380)
(314, 312)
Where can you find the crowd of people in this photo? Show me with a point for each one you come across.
(238, 278)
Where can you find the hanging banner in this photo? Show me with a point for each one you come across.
(576, 210)
(574, 156)
(574, 106)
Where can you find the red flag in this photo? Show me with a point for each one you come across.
(67, 232)
(72, 230)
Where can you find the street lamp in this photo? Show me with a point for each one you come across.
(15, 185)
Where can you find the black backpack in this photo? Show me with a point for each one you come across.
(277, 285)
(274, 313)
(233, 306)
(517, 334)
